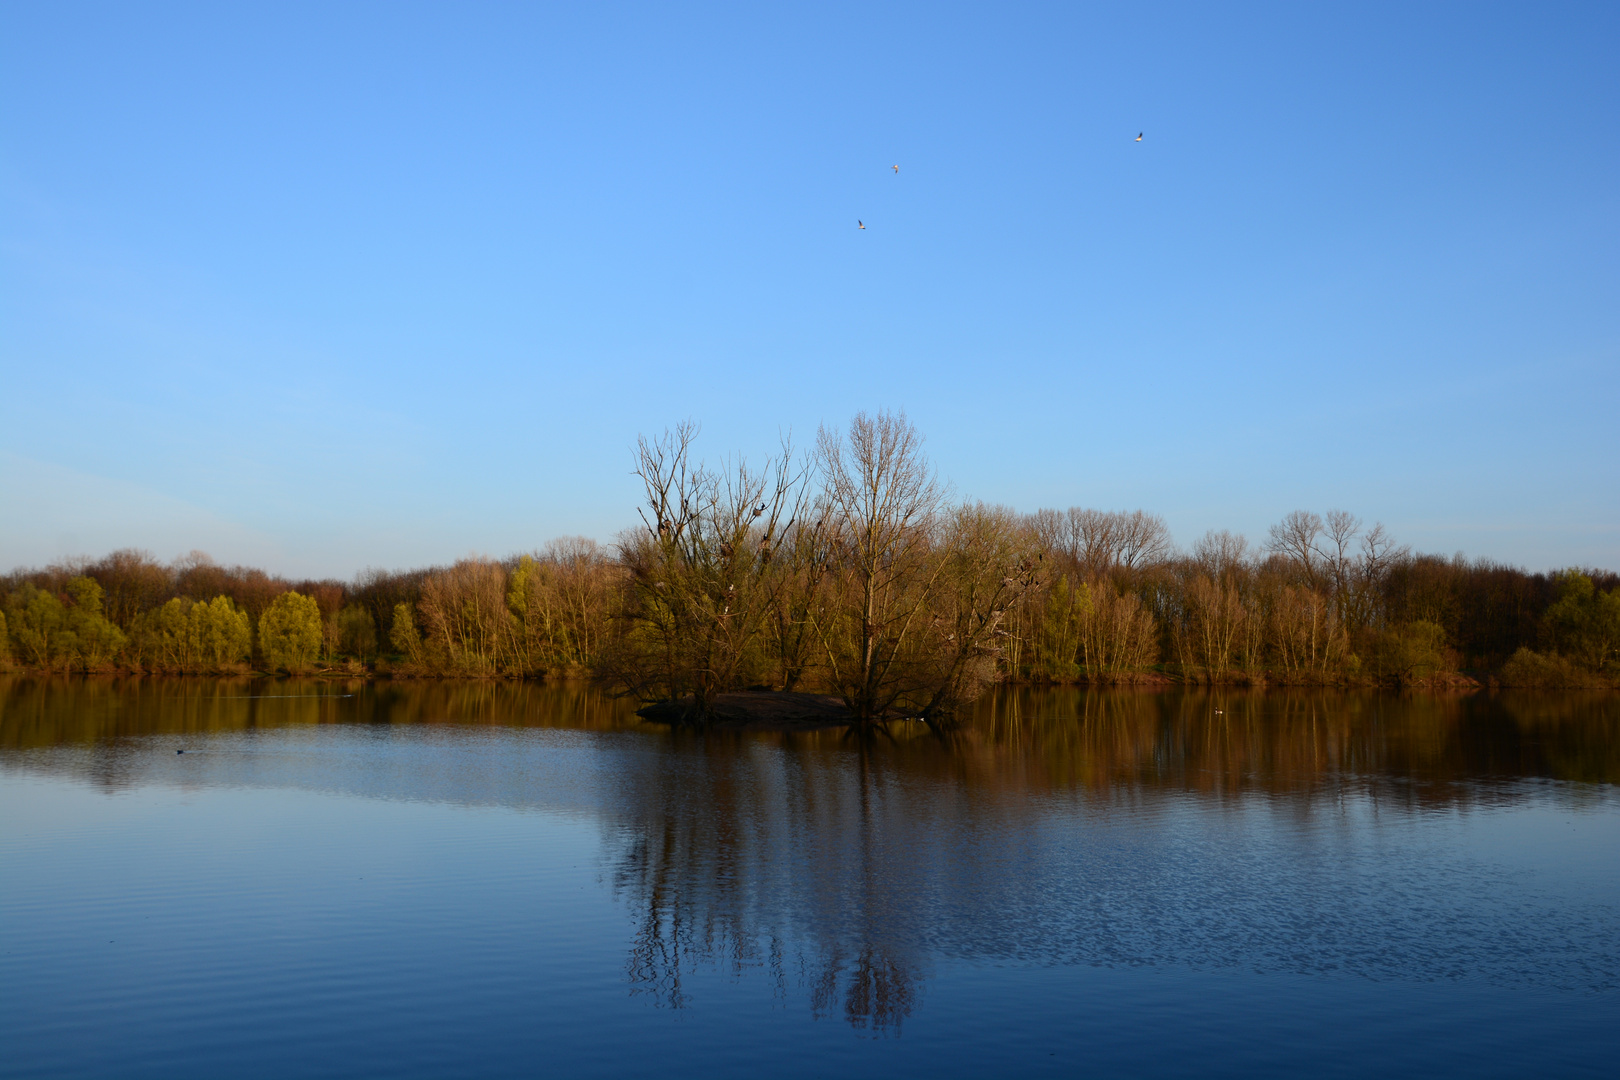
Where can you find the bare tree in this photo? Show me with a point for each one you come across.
(990, 565)
(1221, 554)
(1143, 539)
(879, 508)
(699, 568)
(1335, 553)
(1117, 634)
(802, 564)
(466, 623)
(562, 598)
(1295, 539)
(1101, 543)
(1092, 542)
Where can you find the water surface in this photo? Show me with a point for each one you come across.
(477, 879)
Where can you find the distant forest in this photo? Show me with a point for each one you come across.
(849, 570)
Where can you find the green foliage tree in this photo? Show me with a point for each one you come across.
(403, 635)
(160, 636)
(224, 633)
(38, 623)
(5, 643)
(1584, 622)
(356, 632)
(49, 633)
(526, 597)
(1057, 644)
(96, 640)
(290, 632)
(183, 635)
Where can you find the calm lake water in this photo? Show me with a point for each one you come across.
(492, 880)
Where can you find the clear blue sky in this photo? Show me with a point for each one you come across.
(320, 287)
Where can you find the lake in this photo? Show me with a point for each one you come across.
(484, 879)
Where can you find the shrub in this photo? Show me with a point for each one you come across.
(1532, 670)
(1414, 651)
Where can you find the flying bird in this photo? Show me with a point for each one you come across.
(860, 223)
(1139, 136)
(897, 170)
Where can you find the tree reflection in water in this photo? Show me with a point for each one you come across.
(756, 864)
(1283, 831)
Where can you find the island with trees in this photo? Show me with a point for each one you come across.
(845, 585)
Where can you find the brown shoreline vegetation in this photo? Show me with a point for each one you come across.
(847, 574)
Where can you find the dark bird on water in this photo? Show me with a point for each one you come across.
(1139, 136)
(179, 751)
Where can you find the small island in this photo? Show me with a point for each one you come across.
(757, 710)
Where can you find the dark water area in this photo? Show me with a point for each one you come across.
(479, 879)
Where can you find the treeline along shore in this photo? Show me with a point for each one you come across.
(848, 570)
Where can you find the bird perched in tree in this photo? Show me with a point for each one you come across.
(859, 223)
(1139, 136)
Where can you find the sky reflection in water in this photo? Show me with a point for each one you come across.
(487, 879)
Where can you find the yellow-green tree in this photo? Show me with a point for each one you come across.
(1057, 642)
(403, 636)
(48, 632)
(224, 634)
(290, 632)
(96, 640)
(161, 638)
(1584, 623)
(38, 623)
(186, 636)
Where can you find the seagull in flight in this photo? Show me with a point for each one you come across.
(1139, 136)
(860, 223)
(897, 170)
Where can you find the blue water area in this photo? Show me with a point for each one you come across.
(482, 880)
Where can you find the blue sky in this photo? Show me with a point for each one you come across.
(327, 286)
